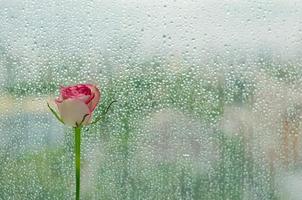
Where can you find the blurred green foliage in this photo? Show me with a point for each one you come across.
(48, 174)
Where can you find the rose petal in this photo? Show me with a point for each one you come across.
(97, 95)
(72, 112)
(83, 98)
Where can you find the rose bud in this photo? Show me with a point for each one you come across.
(76, 103)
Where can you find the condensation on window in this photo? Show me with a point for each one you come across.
(209, 99)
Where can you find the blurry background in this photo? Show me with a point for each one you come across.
(209, 98)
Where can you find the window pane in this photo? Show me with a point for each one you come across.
(208, 99)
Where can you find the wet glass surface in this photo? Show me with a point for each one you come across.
(208, 99)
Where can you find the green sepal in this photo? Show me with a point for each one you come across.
(54, 113)
(99, 118)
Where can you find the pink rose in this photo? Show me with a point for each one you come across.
(77, 103)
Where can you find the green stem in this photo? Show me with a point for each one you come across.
(77, 131)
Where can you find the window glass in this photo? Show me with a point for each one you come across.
(209, 98)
